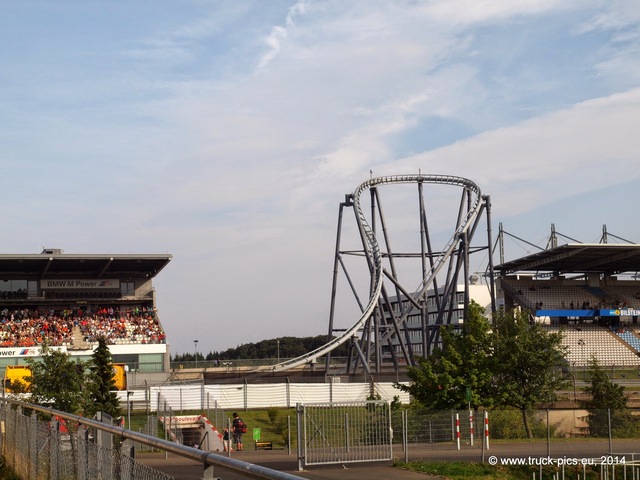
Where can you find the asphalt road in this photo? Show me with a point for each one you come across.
(533, 452)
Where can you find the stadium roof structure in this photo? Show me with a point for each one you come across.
(607, 258)
(54, 264)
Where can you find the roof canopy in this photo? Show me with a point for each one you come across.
(607, 258)
(60, 265)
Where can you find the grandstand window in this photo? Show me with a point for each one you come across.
(127, 288)
(10, 289)
(151, 362)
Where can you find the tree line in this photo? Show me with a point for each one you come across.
(283, 347)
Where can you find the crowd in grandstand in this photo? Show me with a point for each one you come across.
(13, 294)
(30, 327)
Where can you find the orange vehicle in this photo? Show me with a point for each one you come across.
(120, 376)
(15, 378)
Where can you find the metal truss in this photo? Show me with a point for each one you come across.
(381, 335)
(386, 337)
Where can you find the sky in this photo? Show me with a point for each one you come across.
(227, 133)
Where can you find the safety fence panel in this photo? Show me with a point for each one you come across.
(246, 396)
(437, 426)
(54, 450)
(346, 432)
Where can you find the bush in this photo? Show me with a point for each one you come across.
(507, 424)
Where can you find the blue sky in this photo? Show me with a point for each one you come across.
(227, 132)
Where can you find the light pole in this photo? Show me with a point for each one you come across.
(278, 354)
(195, 344)
(129, 409)
(573, 376)
(584, 363)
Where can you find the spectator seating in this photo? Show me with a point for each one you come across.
(585, 342)
(630, 337)
(73, 327)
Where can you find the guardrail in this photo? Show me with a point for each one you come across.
(208, 459)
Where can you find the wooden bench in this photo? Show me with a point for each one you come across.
(264, 445)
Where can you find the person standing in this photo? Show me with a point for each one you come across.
(225, 439)
(238, 429)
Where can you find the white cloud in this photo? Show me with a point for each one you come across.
(589, 146)
(228, 133)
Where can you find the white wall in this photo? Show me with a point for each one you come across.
(285, 395)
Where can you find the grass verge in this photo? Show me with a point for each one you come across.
(479, 471)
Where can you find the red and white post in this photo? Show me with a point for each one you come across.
(471, 426)
(486, 428)
(458, 430)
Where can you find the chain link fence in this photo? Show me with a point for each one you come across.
(57, 450)
(73, 447)
(472, 435)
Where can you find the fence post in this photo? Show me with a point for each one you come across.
(482, 433)
(548, 436)
(53, 451)
(405, 435)
(83, 451)
(215, 409)
(289, 434)
(453, 427)
(288, 392)
(126, 460)
(33, 444)
(147, 397)
(231, 437)
(16, 413)
(346, 431)
(300, 420)
(331, 390)
(609, 421)
(486, 428)
(3, 422)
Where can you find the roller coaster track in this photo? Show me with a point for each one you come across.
(373, 250)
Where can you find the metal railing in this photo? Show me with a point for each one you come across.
(27, 459)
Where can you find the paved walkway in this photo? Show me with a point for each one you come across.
(184, 469)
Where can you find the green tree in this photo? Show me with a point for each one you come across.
(460, 373)
(101, 384)
(57, 381)
(508, 363)
(607, 401)
(287, 347)
(527, 361)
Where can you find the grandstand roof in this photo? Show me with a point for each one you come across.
(56, 264)
(607, 258)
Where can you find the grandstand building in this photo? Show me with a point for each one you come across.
(590, 292)
(69, 300)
